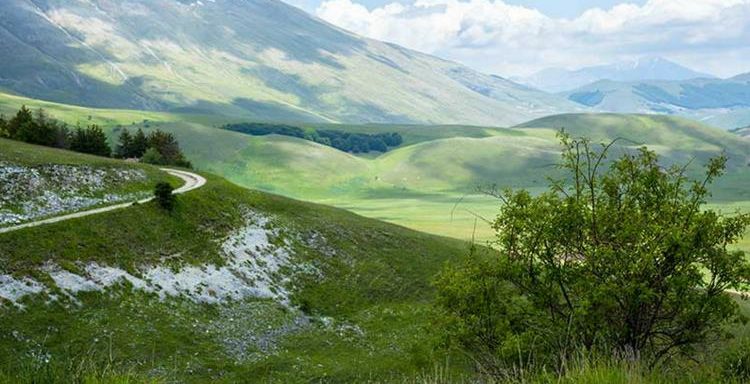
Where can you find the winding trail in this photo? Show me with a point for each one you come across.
(192, 182)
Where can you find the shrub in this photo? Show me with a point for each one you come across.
(152, 156)
(620, 258)
(163, 192)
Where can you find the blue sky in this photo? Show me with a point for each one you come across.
(520, 37)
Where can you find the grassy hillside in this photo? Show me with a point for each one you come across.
(742, 132)
(238, 59)
(359, 297)
(430, 182)
(38, 182)
(359, 291)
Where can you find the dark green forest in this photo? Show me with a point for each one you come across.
(343, 141)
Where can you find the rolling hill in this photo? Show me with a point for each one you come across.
(720, 102)
(234, 57)
(233, 284)
(743, 132)
(653, 68)
(430, 182)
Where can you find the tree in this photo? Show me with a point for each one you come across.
(164, 196)
(124, 148)
(62, 135)
(152, 156)
(39, 130)
(22, 119)
(3, 126)
(378, 144)
(140, 144)
(169, 149)
(90, 140)
(621, 256)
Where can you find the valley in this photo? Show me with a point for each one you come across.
(462, 191)
(437, 179)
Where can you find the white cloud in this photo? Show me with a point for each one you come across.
(507, 39)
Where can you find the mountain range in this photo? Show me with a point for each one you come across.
(259, 59)
(649, 68)
(720, 102)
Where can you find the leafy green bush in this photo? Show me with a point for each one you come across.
(619, 257)
(152, 156)
(164, 196)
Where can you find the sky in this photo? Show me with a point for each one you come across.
(516, 38)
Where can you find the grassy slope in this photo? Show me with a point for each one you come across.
(725, 108)
(375, 289)
(430, 182)
(22, 154)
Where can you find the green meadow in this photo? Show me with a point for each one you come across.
(437, 180)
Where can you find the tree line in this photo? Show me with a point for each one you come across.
(343, 141)
(38, 128)
(158, 147)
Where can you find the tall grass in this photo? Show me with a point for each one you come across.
(588, 368)
(72, 372)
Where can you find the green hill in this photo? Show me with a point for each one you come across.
(430, 182)
(237, 58)
(233, 285)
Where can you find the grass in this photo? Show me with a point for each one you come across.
(429, 183)
(21, 154)
(368, 313)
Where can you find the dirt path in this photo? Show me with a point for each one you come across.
(192, 182)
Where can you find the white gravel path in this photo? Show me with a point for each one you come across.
(192, 182)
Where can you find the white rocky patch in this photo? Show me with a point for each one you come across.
(254, 269)
(13, 290)
(27, 193)
(69, 282)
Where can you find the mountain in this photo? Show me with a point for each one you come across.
(260, 59)
(720, 102)
(559, 80)
(743, 132)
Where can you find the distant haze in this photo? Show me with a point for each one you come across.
(558, 80)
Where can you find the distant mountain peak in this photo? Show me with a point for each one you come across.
(640, 69)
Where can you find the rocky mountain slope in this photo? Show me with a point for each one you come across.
(260, 59)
